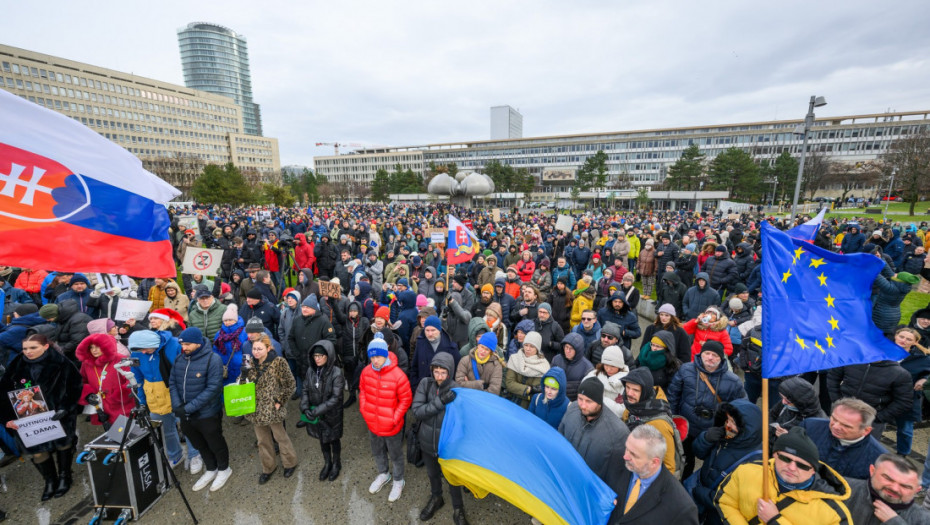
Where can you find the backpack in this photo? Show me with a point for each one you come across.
(750, 357)
(679, 448)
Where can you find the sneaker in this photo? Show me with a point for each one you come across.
(397, 488)
(220, 480)
(180, 460)
(379, 483)
(196, 464)
(204, 480)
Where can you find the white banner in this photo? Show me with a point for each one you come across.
(564, 223)
(113, 280)
(136, 309)
(189, 222)
(38, 429)
(202, 261)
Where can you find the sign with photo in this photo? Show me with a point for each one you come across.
(189, 222)
(27, 401)
(112, 280)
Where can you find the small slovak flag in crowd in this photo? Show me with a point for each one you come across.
(461, 245)
(72, 200)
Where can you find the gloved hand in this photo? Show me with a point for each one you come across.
(180, 413)
(715, 434)
(59, 415)
(536, 389)
(447, 397)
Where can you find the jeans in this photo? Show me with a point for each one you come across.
(172, 441)
(383, 447)
(905, 437)
(206, 435)
(295, 369)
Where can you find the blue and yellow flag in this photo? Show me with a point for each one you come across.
(817, 308)
(491, 445)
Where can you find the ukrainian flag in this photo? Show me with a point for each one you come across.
(491, 445)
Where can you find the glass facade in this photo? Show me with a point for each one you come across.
(215, 59)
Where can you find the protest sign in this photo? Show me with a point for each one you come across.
(564, 223)
(203, 261)
(328, 289)
(38, 429)
(496, 215)
(189, 222)
(136, 309)
(437, 235)
(113, 280)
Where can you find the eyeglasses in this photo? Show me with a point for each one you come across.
(605, 336)
(587, 318)
(803, 466)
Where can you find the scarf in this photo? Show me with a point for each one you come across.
(651, 359)
(638, 413)
(528, 366)
(378, 368)
(784, 486)
(232, 338)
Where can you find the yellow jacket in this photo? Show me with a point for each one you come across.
(821, 504)
(583, 301)
(635, 246)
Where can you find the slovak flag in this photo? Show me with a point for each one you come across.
(808, 230)
(460, 247)
(71, 200)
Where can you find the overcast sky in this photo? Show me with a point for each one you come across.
(411, 72)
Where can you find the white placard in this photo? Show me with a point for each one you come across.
(564, 223)
(438, 237)
(111, 280)
(38, 429)
(134, 308)
(203, 261)
(189, 222)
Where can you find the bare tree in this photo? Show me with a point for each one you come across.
(816, 173)
(909, 160)
(853, 176)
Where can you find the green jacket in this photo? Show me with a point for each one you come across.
(208, 321)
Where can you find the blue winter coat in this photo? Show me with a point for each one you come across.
(852, 242)
(564, 272)
(552, 411)
(84, 300)
(718, 457)
(687, 393)
(625, 319)
(150, 368)
(407, 316)
(592, 336)
(230, 359)
(696, 300)
(197, 382)
(895, 249)
(886, 306)
(423, 355)
(852, 461)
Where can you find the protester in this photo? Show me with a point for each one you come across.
(889, 495)
(844, 440)
(99, 357)
(550, 404)
(597, 434)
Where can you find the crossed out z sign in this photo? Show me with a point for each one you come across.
(202, 261)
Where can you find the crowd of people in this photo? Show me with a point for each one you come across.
(355, 304)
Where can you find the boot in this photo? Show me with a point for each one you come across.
(435, 503)
(458, 516)
(337, 466)
(350, 401)
(328, 465)
(47, 469)
(65, 459)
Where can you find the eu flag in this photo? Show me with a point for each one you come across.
(817, 310)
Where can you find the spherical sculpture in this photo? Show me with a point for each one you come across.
(465, 184)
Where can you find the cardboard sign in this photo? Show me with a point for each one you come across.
(38, 429)
(564, 223)
(203, 261)
(496, 214)
(136, 309)
(328, 289)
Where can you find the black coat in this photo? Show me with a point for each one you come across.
(323, 390)
(73, 326)
(884, 385)
(722, 271)
(665, 502)
(427, 407)
(306, 332)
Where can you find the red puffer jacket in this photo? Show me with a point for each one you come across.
(716, 331)
(525, 269)
(99, 377)
(384, 397)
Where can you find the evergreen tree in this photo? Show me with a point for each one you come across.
(685, 174)
(221, 185)
(735, 171)
(381, 186)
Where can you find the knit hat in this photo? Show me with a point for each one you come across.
(378, 346)
(796, 443)
(611, 329)
(191, 335)
(906, 277)
(311, 302)
(736, 304)
(78, 279)
(488, 288)
(254, 294)
(667, 309)
(551, 382)
(720, 248)
(384, 313)
(533, 338)
(49, 311)
(26, 309)
(320, 349)
(715, 347)
(658, 341)
(545, 306)
(144, 339)
(421, 301)
(489, 339)
(293, 293)
(433, 321)
(403, 282)
(670, 264)
(593, 389)
(254, 326)
(691, 247)
(613, 356)
(739, 288)
(877, 232)
(231, 313)
(460, 279)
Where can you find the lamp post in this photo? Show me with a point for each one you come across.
(888, 196)
(815, 102)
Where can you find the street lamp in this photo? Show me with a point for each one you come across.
(815, 102)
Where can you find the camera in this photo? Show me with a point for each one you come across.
(704, 413)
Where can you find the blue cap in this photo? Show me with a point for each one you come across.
(377, 347)
(489, 339)
(191, 335)
(433, 321)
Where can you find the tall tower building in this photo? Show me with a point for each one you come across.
(506, 123)
(216, 59)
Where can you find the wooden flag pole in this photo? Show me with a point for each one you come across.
(765, 439)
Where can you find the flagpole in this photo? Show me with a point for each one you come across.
(765, 439)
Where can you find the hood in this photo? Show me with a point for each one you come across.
(240, 273)
(743, 249)
(672, 278)
(666, 337)
(490, 262)
(431, 270)
(425, 312)
(172, 284)
(97, 326)
(105, 342)
(444, 360)
(474, 326)
(364, 290)
(308, 276)
(29, 320)
(643, 377)
(66, 309)
(577, 342)
(301, 239)
(702, 275)
(407, 299)
(748, 417)
(330, 353)
(525, 325)
(802, 396)
(559, 375)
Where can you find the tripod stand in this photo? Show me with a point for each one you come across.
(138, 416)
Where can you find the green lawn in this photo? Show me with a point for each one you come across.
(913, 302)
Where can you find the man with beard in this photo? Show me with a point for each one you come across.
(597, 434)
(646, 404)
(888, 495)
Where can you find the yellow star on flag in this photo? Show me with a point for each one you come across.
(817, 263)
(829, 299)
(834, 323)
(797, 254)
(823, 279)
(800, 341)
(829, 342)
(785, 276)
(817, 344)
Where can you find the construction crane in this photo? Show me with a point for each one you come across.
(336, 145)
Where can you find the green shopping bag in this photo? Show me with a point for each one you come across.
(239, 399)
